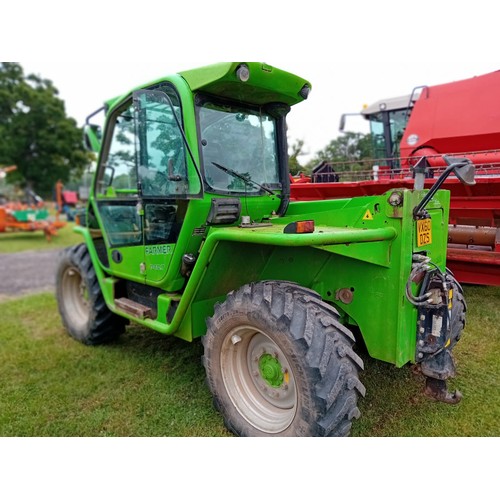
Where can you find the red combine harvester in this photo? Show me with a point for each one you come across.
(457, 119)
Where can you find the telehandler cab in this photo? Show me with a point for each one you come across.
(189, 230)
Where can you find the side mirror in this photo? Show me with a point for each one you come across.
(463, 168)
(343, 120)
(342, 123)
(92, 138)
(92, 134)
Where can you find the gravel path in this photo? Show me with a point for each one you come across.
(27, 272)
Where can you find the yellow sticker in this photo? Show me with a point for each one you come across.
(450, 299)
(368, 215)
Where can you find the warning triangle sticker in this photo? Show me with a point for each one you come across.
(368, 215)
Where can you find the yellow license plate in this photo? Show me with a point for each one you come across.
(424, 232)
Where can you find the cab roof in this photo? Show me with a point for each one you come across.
(265, 84)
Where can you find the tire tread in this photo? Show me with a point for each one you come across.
(327, 351)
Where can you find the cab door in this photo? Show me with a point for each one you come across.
(115, 214)
(164, 177)
(146, 175)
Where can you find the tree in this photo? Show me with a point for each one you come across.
(293, 158)
(348, 153)
(349, 147)
(37, 136)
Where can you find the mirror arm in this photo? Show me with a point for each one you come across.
(432, 191)
(452, 166)
(97, 111)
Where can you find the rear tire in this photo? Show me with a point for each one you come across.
(457, 312)
(280, 363)
(81, 304)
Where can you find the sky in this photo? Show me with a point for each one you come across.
(353, 52)
(338, 87)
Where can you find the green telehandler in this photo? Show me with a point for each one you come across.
(189, 230)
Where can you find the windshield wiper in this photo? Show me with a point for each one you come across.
(243, 178)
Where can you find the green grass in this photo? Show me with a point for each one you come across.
(146, 384)
(143, 385)
(20, 241)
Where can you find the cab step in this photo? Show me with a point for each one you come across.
(133, 308)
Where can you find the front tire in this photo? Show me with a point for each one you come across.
(280, 363)
(81, 304)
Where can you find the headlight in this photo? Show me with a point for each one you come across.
(243, 73)
(304, 91)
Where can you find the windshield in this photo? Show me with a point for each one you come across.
(397, 123)
(242, 140)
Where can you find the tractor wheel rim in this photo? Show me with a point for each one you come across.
(75, 294)
(259, 379)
